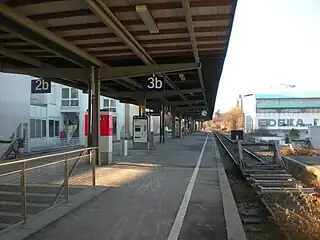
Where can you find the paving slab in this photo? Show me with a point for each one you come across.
(309, 160)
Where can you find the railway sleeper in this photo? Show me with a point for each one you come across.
(261, 171)
(278, 184)
(270, 176)
(252, 220)
(263, 167)
(255, 228)
(284, 190)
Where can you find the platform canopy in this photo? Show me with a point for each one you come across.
(183, 42)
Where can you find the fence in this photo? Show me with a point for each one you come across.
(29, 186)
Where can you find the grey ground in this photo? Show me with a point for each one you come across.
(146, 207)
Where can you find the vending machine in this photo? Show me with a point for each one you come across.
(141, 132)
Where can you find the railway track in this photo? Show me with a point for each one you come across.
(256, 219)
(264, 175)
(258, 184)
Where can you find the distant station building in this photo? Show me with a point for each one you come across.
(52, 119)
(280, 113)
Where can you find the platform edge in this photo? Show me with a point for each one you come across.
(234, 227)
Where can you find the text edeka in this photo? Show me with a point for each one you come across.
(290, 122)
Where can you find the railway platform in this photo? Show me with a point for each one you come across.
(179, 190)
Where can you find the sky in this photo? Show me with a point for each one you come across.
(273, 42)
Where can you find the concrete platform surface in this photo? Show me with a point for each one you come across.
(172, 192)
(305, 169)
(309, 160)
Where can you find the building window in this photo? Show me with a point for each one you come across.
(113, 103)
(106, 103)
(110, 105)
(56, 128)
(38, 128)
(51, 128)
(288, 110)
(114, 125)
(44, 128)
(65, 103)
(69, 97)
(74, 103)
(65, 93)
(267, 110)
(74, 93)
(32, 128)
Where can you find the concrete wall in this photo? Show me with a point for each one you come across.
(267, 139)
(14, 103)
(156, 124)
(309, 175)
(131, 110)
(314, 136)
(120, 119)
(82, 110)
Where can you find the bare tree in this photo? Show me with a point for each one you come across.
(233, 119)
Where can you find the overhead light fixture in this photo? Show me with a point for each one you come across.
(147, 18)
(182, 77)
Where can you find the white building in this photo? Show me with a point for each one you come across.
(50, 119)
(281, 113)
(248, 123)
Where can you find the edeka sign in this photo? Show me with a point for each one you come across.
(290, 122)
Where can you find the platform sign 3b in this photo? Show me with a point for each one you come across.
(153, 83)
(40, 86)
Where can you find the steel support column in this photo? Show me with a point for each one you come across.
(91, 83)
(162, 123)
(173, 119)
(180, 125)
(95, 112)
(127, 122)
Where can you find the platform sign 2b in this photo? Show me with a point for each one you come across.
(40, 86)
(153, 83)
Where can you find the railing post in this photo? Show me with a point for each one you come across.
(240, 154)
(66, 178)
(23, 192)
(93, 164)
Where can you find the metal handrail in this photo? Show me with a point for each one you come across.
(41, 166)
(11, 162)
(68, 175)
(65, 185)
